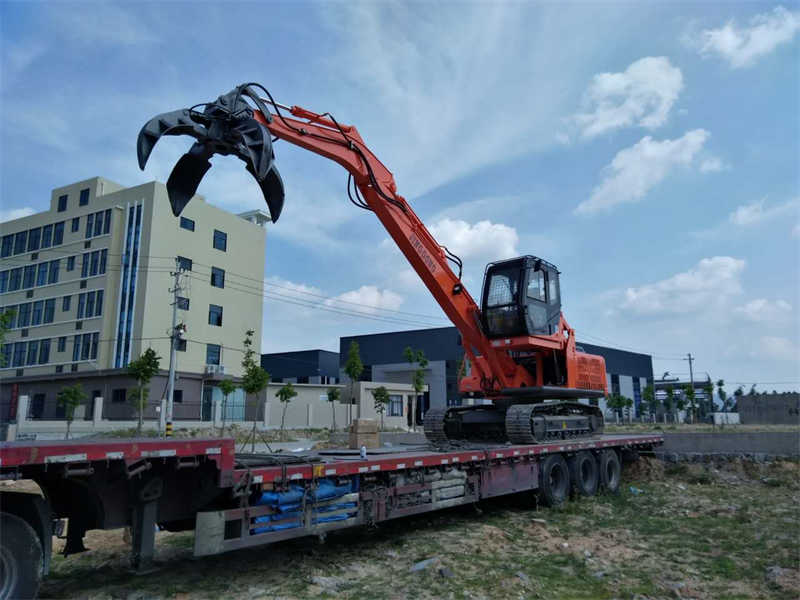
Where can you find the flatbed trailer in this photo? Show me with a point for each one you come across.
(234, 501)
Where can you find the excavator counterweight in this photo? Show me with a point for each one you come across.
(522, 357)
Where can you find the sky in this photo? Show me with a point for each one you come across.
(649, 150)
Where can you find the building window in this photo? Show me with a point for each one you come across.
(84, 199)
(18, 359)
(3, 281)
(81, 305)
(24, 316)
(41, 274)
(76, 224)
(103, 259)
(98, 223)
(33, 352)
(52, 276)
(34, 239)
(215, 315)
(20, 239)
(47, 236)
(107, 219)
(38, 311)
(119, 395)
(187, 224)
(62, 203)
(6, 355)
(29, 276)
(37, 406)
(177, 396)
(89, 225)
(58, 233)
(70, 263)
(212, 354)
(15, 279)
(44, 352)
(49, 310)
(183, 303)
(395, 407)
(66, 301)
(217, 277)
(184, 264)
(62, 344)
(8, 245)
(220, 240)
(180, 345)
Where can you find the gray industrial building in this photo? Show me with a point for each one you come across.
(628, 373)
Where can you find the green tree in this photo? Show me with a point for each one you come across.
(670, 402)
(254, 379)
(353, 368)
(227, 387)
(70, 397)
(5, 324)
(285, 395)
(142, 370)
(708, 403)
(752, 391)
(737, 393)
(723, 396)
(381, 397)
(333, 397)
(650, 400)
(418, 358)
(691, 400)
(616, 402)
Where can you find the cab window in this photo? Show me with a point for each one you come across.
(536, 286)
(552, 296)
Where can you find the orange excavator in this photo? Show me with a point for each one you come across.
(524, 375)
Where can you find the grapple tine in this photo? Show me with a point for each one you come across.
(226, 126)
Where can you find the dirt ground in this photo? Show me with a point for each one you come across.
(731, 530)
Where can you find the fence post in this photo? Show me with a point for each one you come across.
(309, 415)
(97, 415)
(266, 412)
(22, 412)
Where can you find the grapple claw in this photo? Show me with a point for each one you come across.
(225, 126)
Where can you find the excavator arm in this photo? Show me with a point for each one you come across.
(244, 124)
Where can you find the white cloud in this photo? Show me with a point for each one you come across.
(777, 348)
(369, 298)
(479, 241)
(712, 164)
(641, 95)
(743, 46)
(636, 170)
(752, 214)
(762, 310)
(9, 214)
(706, 286)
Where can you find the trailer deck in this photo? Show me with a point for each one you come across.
(234, 501)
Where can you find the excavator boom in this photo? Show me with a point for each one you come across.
(506, 369)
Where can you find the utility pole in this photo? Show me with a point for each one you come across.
(691, 376)
(174, 335)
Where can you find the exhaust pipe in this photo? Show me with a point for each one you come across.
(225, 126)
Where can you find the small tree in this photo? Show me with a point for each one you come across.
(737, 393)
(680, 404)
(708, 404)
(381, 396)
(333, 397)
(688, 391)
(254, 379)
(285, 395)
(723, 396)
(417, 379)
(670, 402)
(752, 391)
(353, 368)
(227, 387)
(616, 402)
(70, 397)
(650, 400)
(142, 370)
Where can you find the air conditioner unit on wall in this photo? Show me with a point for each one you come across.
(211, 369)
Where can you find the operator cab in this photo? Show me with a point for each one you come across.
(521, 296)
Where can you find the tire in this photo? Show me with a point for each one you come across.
(610, 471)
(554, 480)
(20, 558)
(584, 474)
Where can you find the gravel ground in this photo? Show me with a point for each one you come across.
(730, 530)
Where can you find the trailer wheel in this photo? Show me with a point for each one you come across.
(610, 470)
(554, 480)
(584, 474)
(20, 558)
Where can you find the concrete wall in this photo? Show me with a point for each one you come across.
(776, 443)
(777, 409)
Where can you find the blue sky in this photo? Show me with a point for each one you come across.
(649, 150)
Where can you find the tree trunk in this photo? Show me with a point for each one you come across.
(333, 415)
(141, 410)
(69, 424)
(414, 412)
(283, 418)
(224, 410)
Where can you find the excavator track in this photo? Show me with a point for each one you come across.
(434, 425)
(519, 424)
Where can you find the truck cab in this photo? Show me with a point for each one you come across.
(521, 296)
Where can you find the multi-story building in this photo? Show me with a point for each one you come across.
(90, 279)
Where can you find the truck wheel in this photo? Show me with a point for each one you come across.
(554, 480)
(20, 558)
(610, 471)
(583, 473)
